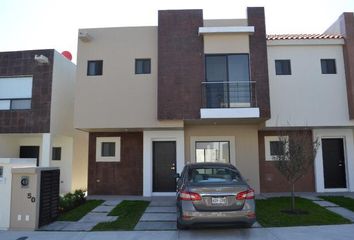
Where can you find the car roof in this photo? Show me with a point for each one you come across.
(211, 164)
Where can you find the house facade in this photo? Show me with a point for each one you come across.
(36, 115)
(153, 99)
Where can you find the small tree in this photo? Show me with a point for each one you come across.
(296, 152)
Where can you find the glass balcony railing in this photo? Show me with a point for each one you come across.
(241, 94)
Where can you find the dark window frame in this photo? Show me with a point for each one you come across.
(278, 149)
(97, 72)
(109, 153)
(226, 55)
(56, 153)
(204, 141)
(143, 60)
(325, 68)
(11, 104)
(284, 69)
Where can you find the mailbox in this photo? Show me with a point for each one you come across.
(35, 197)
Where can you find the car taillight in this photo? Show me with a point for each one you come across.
(189, 196)
(249, 194)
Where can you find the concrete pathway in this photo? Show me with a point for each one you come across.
(327, 232)
(159, 215)
(86, 223)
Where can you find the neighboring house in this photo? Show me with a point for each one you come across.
(191, 90)
(36, 113)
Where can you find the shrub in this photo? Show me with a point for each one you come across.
(71, 200)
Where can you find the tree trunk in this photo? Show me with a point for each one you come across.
(293, 197)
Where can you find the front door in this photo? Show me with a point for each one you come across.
(164, 166)
(333, 163)
(30, 152)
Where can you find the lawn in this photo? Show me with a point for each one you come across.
(80, 211)
(269, 213)
(128, 212)
(345, 202)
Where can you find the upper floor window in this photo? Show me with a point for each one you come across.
(56, 153)
(328, 66)
(282, 67)
(142, 66)
(15, 93)
(227, 68)
(94, 67)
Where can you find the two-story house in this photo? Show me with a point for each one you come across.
(36, 114)
(194, 90)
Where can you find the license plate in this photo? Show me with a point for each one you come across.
(218, 201)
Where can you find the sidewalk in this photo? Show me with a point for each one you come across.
(327, 232)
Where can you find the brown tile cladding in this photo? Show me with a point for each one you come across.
(117, 178)
(36, 119)
(270, 178)
(259, 59)
(347, 28)
(180, 64)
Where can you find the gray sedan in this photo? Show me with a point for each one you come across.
(213, 193)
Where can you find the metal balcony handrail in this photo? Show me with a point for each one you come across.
(230, 82)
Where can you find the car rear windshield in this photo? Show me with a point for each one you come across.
(213, 175)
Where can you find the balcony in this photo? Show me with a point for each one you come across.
(236, 99)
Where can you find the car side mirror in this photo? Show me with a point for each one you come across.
(177, 175)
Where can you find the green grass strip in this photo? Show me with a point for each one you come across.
(345, 202)
(128, 212)
(269, 213)
(80, 211)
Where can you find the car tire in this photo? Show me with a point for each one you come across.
(181, 226)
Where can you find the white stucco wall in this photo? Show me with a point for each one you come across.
(307, 97)
(62, 103)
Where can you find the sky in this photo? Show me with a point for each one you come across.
(41, 24)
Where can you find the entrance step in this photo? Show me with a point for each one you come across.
(157, 217)
(170, 203)
(159, 226)
(160, 210)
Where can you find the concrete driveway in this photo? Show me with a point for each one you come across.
(328, 232)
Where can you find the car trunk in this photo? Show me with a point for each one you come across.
(216, 197)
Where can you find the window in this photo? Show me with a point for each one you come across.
(108, 149)
(328, 66)
(142, 66)
(274, 147)
(94, 68)
(212, 151)
(15, 93)
(1, 171)
(56, 153)
(227, 82)
(213, 175)
(282, 67)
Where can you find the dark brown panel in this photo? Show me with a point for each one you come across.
(258, 59)
(270, 178)
(180, 64)
(36, 119)
(117, 178)
(347, 30)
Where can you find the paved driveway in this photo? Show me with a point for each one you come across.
(329, 232)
